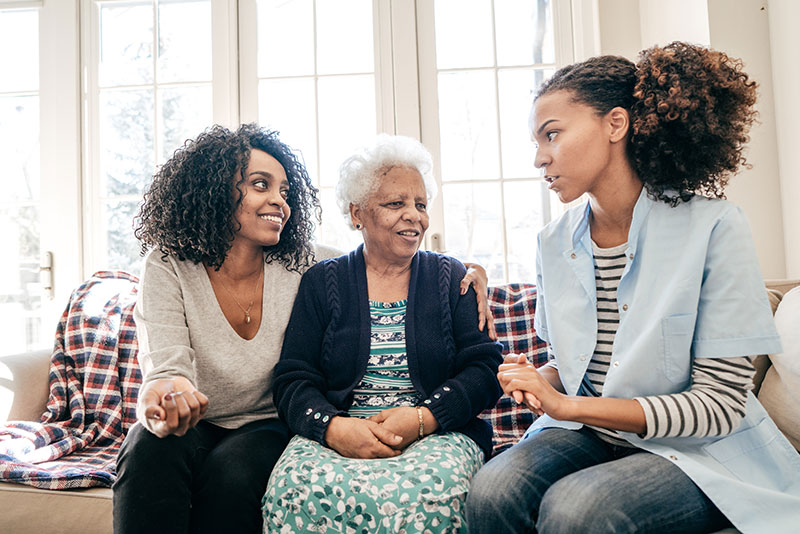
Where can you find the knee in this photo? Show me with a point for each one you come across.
(490, 486)
(573, 506)
(142, 449)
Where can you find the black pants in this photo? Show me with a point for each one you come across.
(210, 480)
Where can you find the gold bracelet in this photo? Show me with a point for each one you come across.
(421, 423)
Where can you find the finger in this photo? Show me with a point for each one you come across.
(194, 408)
(490, 324)
(171, 412)
(466, 282)
(203, 400)
(517, 396)
(184, 412)
(380, 417)
(385, 435)
(155, 412)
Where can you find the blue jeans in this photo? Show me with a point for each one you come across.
(210, 480)
(572, 481)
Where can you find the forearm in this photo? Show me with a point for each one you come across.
(626, 415)
(551, 375)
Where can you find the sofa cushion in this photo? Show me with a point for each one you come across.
(780, 390)
(513, 307)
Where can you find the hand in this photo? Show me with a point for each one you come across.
(476, 276)
(403, 421)
(171, 406)
(524, 383)
(361, 438)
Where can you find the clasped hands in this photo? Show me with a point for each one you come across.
(171, 406)
(383, 435)
(525, 384)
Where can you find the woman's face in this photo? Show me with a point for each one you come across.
(573, 144)
(395, 217)
(263, 212)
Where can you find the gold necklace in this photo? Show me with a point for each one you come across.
(252, 300)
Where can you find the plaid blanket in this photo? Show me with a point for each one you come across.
(94, 380)
(513, 307)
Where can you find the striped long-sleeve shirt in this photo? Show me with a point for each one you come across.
(714, 404)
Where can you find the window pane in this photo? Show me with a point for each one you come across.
(517, 87)
(185, 112)
(126, 43)
(121, 245)
(346, 120)
(334, 230)
(184, 50)
(464, 33)
(344, 36)
(19, 148)
(524, 32)
(126, 141)
(20, 291)
(526, 209)
(19, 41)
(289, 107)
(285, 37)
(473, 225)
(468, 125)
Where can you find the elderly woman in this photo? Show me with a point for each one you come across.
(383, 370)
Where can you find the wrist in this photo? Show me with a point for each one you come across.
(429, 421)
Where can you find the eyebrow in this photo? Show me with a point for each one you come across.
(542, 127)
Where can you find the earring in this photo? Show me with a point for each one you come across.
(358, 226)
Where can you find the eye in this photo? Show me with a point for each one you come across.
(285, 193)
(421, 206)
(395, 204)
(551, 135)
(260, 184)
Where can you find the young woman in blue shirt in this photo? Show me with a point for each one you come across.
(652, 303)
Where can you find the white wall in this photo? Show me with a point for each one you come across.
(784, 16)
(741, 29)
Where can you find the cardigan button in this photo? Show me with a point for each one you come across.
(308, 412)
(325, 419)
(427, 401)
(317, 415)
(437, 395)
(446, 388)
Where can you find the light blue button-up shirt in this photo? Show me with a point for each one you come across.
(691, 288)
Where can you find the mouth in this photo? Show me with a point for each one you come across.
(550, 181)
(272, 217)
(409, 233)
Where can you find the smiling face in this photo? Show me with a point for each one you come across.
(263, 211)
(574, 144)
(395, 217)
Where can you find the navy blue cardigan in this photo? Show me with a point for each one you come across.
(326, 347)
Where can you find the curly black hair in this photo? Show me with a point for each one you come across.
(189, 208)
(690, 109)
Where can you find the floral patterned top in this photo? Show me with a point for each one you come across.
(386, 382)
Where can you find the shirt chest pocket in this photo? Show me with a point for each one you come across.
(677, 332)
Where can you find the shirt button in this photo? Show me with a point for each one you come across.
(317, 415)
(616, 364)
(308, 412)
(446, 388)
(673, 458)
(630, 255)
(325, 419)
(573, 255)
(624, 307)
(583, 357)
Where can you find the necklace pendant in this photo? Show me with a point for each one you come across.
(246, 318)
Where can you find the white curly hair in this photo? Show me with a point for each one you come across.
(359, 175)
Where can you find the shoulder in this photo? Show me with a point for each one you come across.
(699, 214)
(564, 226)
(445, 267)
(324, 252)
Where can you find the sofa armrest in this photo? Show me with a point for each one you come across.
(24, 385)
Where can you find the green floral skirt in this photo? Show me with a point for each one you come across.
(315, 489)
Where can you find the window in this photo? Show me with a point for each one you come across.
(20, 293)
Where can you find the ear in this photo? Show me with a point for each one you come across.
(355, 214)
(618, 123)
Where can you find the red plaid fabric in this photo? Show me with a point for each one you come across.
(513, 307)
(94, 381)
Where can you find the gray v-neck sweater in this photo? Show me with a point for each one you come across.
(182, 331)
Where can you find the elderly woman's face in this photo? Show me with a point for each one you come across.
(395, 218)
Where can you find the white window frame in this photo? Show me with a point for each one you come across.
(225, 101)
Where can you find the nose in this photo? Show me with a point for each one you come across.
(541, 159)
(412, 214)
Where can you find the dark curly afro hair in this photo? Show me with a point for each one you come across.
(189, 209)
(690, 109)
